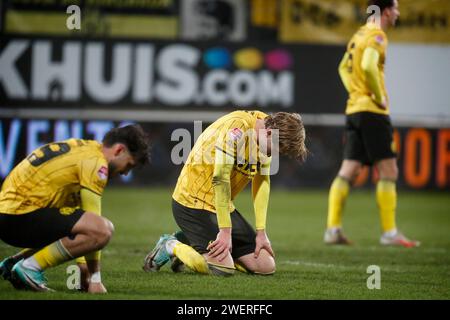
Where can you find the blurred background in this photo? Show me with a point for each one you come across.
(166, 63)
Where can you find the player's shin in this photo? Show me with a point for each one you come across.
(387, 202)
(50, 256)
(191, 258)
(338, 194)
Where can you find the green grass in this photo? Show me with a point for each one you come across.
(306, 268)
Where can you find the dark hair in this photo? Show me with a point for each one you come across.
(134, 137)
(382, 4)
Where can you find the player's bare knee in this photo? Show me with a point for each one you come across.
(263, 265)
(389, 174)
(103, 233)
(106, 232)
(356, 172)
(111, 226)
(350, 170)
(266, 266)
(393, 173)
(388, 169)
(269, 268)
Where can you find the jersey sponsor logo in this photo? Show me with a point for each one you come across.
(102, 173)
(236, 134)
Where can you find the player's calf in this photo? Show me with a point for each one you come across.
(350, 169)
(92, 233)
(103, 234)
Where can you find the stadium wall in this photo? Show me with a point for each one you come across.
(424, 153)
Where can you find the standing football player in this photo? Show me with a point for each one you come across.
(368, 131)
(50, 204)
(230, 153)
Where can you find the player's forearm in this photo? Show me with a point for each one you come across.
(222, 194)
(261, 192)
(343, 72)
(369, 64)
(91, 202)
(222, 191)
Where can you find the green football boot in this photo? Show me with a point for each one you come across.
(159, 255)
(30, 279)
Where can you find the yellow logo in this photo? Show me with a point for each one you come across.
(66, 211)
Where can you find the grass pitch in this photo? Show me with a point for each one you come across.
(306, 268)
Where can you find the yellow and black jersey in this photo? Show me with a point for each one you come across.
(360, 99)
(53, 175)
(233, 134)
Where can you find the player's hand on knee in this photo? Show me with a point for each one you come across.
(97, 287)
(262, 242)
(220, 247)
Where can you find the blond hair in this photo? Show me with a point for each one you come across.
(291, 134)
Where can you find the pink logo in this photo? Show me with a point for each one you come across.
(278, 60)
(379, 39)
(103, 173)
(236, 134)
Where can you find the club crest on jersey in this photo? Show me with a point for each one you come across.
(103, 173)
(236, 134)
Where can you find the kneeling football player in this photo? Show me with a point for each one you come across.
(231, 152)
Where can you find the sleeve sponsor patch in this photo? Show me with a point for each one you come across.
(379, 39)
(235, 134)
(103, 173)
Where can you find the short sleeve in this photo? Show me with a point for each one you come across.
(94, 174)
(378, 41)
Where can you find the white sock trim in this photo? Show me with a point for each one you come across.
(334, 229)
(31, 263)
(96, 277)
(390, 233)
(170, 246)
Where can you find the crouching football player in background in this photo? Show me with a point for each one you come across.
(50, 204)
(217, 238)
